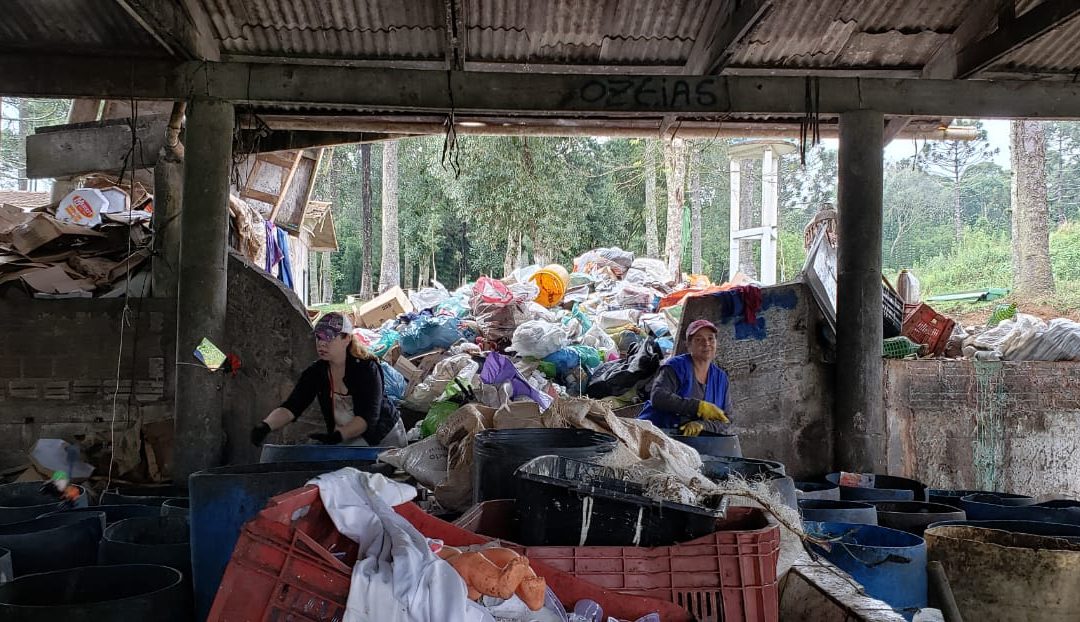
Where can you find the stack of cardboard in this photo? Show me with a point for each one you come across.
(46, 256)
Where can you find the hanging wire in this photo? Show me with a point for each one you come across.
(451, 152)
(810, 124)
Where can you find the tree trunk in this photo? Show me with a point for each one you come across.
(675, 174)
(652, 240)
(696, 264)
(958, 213)
(511, 254)
(366, 220)
(1032, 275)
(327, 294)
(24, 130)
(748, 184)
(390, 268)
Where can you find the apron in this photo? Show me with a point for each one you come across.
(344, 413)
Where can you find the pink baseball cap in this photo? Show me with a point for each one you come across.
(697, 325)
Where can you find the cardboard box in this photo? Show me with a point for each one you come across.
(43, 229)
(384, 307)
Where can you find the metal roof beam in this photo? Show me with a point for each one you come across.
(720, 31)
(575, 95)
(980, 20)
(169, 23)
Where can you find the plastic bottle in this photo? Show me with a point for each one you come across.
(907, 285)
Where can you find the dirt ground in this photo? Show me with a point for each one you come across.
(975, 314)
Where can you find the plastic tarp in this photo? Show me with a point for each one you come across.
(432, 387)
(1027, 338)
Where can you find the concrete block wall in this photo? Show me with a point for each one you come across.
(58, 369)
(781, 384)
(58, 365)
(932, 408)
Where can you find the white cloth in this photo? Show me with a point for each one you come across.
(396, 577)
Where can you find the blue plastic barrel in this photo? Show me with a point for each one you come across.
(319, 453)
(830, 511)
(53, 542)
(223, 499)
(114, 513)
(155, 494)
(817, 490)
(886, 488)
(708, 444)
(890, 564)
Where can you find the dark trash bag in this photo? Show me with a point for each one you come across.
(618, 377)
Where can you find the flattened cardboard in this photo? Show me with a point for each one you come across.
(386, 306)
(42, 229)
(55, 280)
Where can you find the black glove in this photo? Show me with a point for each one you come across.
(259, 433)
(332, 438)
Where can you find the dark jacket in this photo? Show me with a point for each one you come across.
(364, 381)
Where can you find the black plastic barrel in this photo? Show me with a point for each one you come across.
(224, 498)
(987, 507)
(114, 513)
(750, 465)
(53, 542)
(1034, 528)
(950, 496)
(162, 541)
(832, 511)
(782, 485)
(817, 490)
(6, 573)
(176, 507)
(142, 495)
(97, 594)
(23, 501)
(886, 488)
(498, 453)
(914, 516)
(709, 444)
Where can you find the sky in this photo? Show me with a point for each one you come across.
(997, 134)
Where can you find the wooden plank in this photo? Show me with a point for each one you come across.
(285, 185)
(1014, 33)
(84, 110)
(278, 158)
(718, 45)
(100, 147)
(168, 23)
(259, 195)
(569, 95)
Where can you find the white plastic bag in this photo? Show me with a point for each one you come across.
(596, 338)
(426, 461)
(428, 297)
(538, 338)
(445, 371)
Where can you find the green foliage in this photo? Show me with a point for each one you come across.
(1065, 253)
(981, 259)
(19, 117)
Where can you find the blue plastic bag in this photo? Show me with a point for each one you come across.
(387, 339)
(394, 383)
(428, 333)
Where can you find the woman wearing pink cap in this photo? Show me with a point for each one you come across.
(690, 392)
(347, 380)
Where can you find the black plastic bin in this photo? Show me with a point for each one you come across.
(566, 502)
(498, 453)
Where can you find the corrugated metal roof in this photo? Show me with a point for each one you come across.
(80, 27)
(1057, 51)
(849, 33)
(348, 29)
(659, 32)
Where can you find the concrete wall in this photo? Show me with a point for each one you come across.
(58, 365)
(58, 369)
(932, 409)
(781, 386)
(273, 339)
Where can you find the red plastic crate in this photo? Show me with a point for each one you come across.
(727, 575)
(292, 565)
(926, 326)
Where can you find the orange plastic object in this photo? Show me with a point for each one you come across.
(552, 281)
(924, 325)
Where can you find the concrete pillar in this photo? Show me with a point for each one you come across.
(859, 410)
(201, 301)
(168, 198)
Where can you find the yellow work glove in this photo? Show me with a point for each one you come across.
(692, 428)
(711, 412)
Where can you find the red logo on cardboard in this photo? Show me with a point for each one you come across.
(82, 206)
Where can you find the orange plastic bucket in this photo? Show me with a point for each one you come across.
(552, 281)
